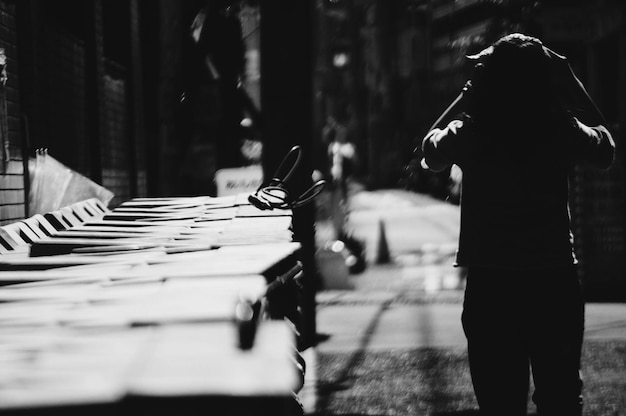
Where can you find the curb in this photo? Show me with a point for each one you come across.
(308, 394)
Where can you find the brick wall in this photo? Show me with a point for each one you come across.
(12, 197)
(52, 88)
(137, 92)
(597, 210)
(60, 76)
(116, 151)
(76, 99)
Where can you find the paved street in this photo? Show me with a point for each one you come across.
(400, 303)
(413, 223)
(417, 232)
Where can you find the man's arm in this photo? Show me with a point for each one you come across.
(441, 147)
(457, 106)
(593, 144)
(571, 92)
(437, 147)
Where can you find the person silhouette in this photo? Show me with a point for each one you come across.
(516, 129)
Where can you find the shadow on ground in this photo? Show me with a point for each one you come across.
(459, 413)
(436, 382)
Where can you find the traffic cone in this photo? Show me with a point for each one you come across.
(382, 254)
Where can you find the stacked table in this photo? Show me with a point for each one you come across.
(161, 305)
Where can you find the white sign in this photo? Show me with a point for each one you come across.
(233, 181)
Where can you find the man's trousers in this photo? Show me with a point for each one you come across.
(516, 321)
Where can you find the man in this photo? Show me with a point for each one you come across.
(515, 131)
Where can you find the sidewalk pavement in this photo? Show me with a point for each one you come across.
(377, 321)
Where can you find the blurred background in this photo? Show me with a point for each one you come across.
(155, 97)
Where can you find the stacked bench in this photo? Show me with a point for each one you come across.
(159, 306)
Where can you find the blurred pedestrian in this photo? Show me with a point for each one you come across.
(216, 78)
(342, 154)
(340, 158)
(515, 131)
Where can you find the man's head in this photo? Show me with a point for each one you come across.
(513, 74)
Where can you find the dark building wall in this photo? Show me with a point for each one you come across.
(79, 95)
(593, 36)
(380, 91)
(139, 185)
(123, 157)
(12, 200)
(100, 88)
(117, 153)
(52, 56)
(169, 72)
